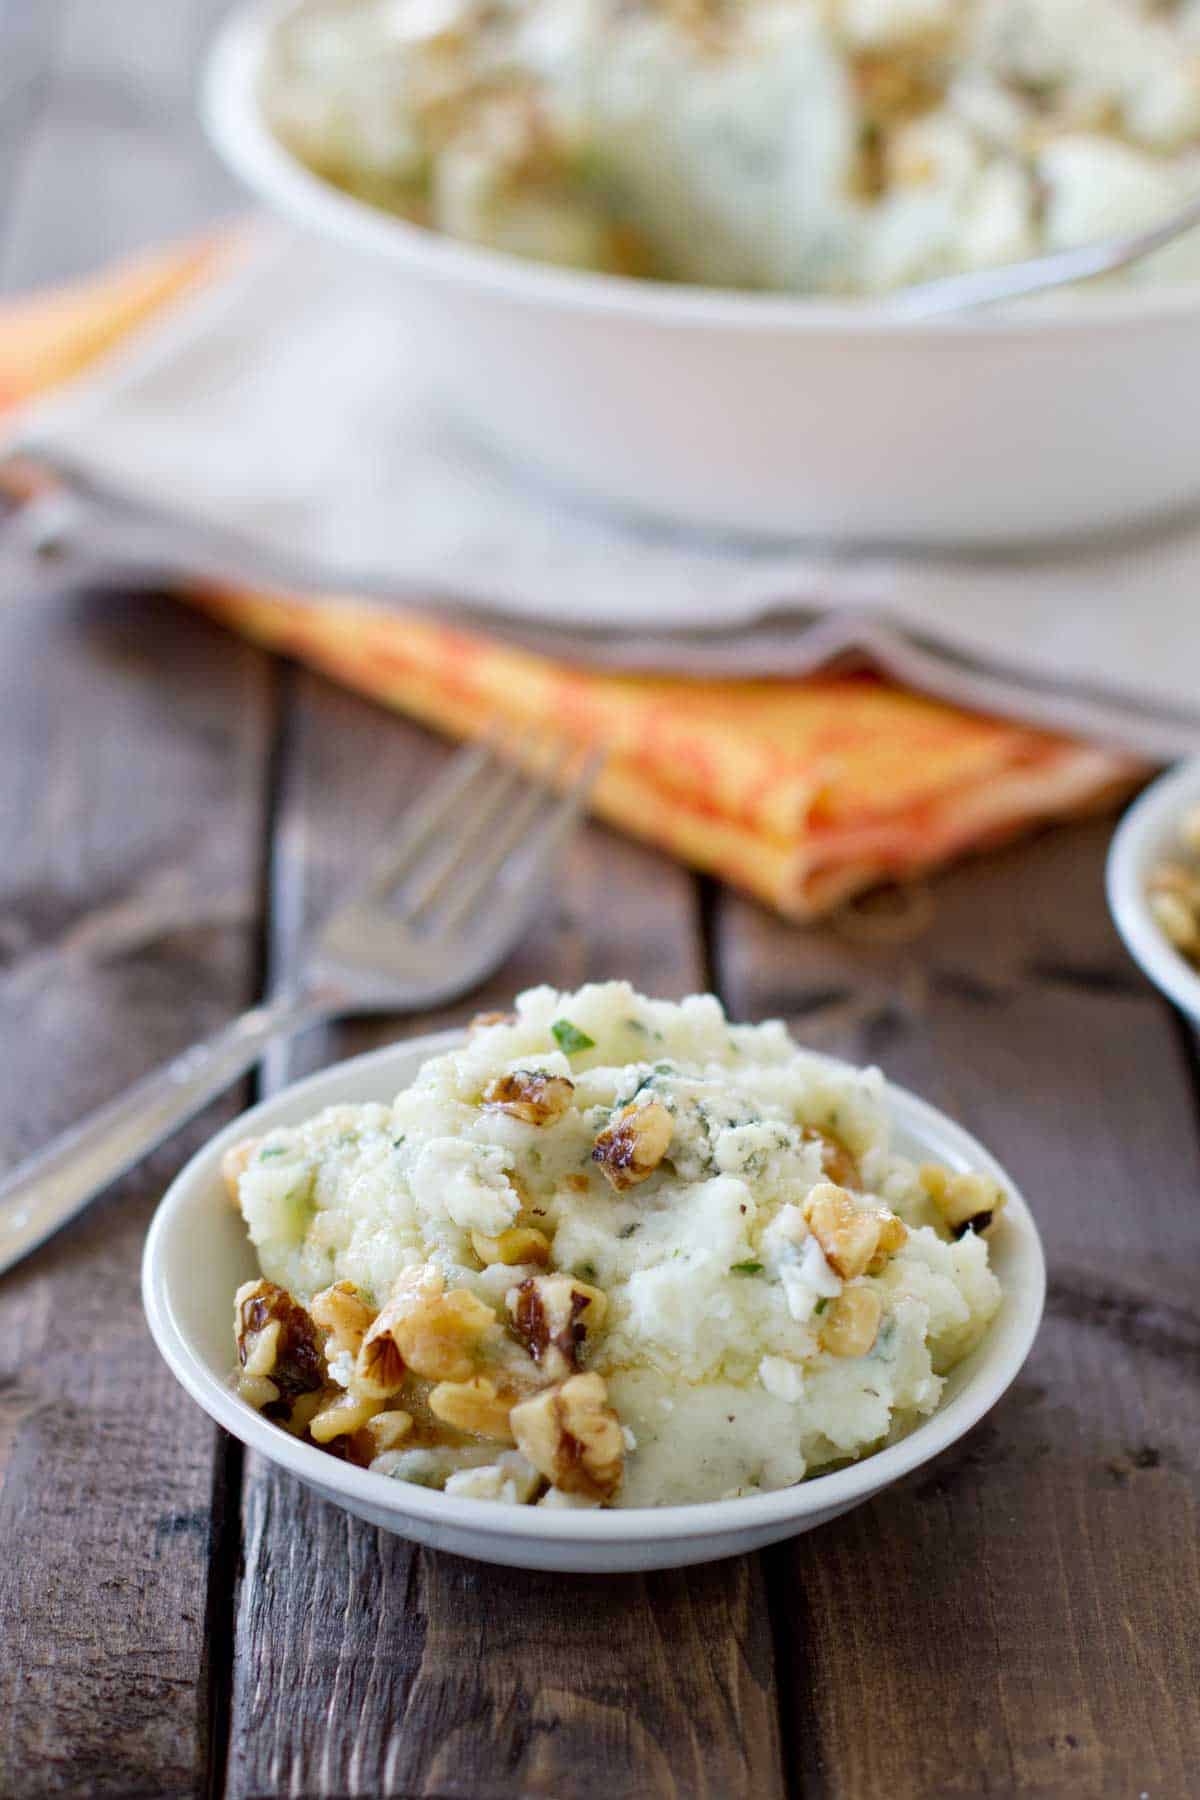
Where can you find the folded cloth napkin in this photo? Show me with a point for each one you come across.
(241, 444)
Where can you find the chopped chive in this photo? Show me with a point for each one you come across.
(821, 1305)
(569, 1038)
(746, 1268)
(275, 1150)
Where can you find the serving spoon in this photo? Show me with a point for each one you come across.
(1040, 274)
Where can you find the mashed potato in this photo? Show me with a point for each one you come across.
(835, 146)
(613, 1250)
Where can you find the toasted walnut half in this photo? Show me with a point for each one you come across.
(855, 1237)
(851, 1325)
(966, 1202)
(473, 1405)
(434, 1333)
(552, 1315)
(234, 1164)
(276, 1345)
(343, 1315)
(633, 1145)
(520, 1244)
(531, 1095)
(573, 1436)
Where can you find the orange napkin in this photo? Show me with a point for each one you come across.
(800, 791)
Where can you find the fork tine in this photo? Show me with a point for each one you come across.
(544, 842)
(461, 774)
(573, 801)
(463, 829)
(485, 866)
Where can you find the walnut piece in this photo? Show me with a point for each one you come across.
(854, 1236)
(552, 1315)
(531, 1095)
(893, 1232)
(343, 1315)
(851, 1325)
(836, 1160)
(969, 1202)
(387, 1429)
(344, 1415)
(276, 1345)
(632, 1146)
(846, 1236)
(520, 1244)
(474, 1406)
(573, 1436)
(433, 1333)
(483, 1021)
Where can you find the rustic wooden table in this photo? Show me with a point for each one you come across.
(176, 1619)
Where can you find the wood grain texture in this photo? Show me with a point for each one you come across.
(132, 745)
(1023, 1616)
(131, 738)
(365, 1666)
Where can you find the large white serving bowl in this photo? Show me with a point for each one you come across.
(1148, 833)
(197, 1254)
(768, 414)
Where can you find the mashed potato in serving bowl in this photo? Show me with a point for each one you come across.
(494, 175)
(807, 146)
(668, 1346)
(610, 1251)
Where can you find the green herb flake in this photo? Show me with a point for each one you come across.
(820, 1306)
(586, 1271)
(746, 1268)
(627, 1231)
(570, 1040)
(396, 1142)
(275, 1150)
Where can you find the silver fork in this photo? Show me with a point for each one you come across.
(438, 914)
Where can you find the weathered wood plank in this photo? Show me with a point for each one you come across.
(367, 1667)
(133, 742)
(132, 738)
(1024, 1615)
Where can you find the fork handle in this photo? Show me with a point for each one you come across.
(58, 1182)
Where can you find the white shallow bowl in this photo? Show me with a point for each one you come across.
(765, 414)
(197, 1254)
(1147, 833)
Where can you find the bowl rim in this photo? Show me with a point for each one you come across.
(1001, 1355)
(1145, 832)
(235, 124)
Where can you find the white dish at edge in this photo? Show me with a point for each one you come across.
(771, 415)
(1146, 834)
(197, 1253)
